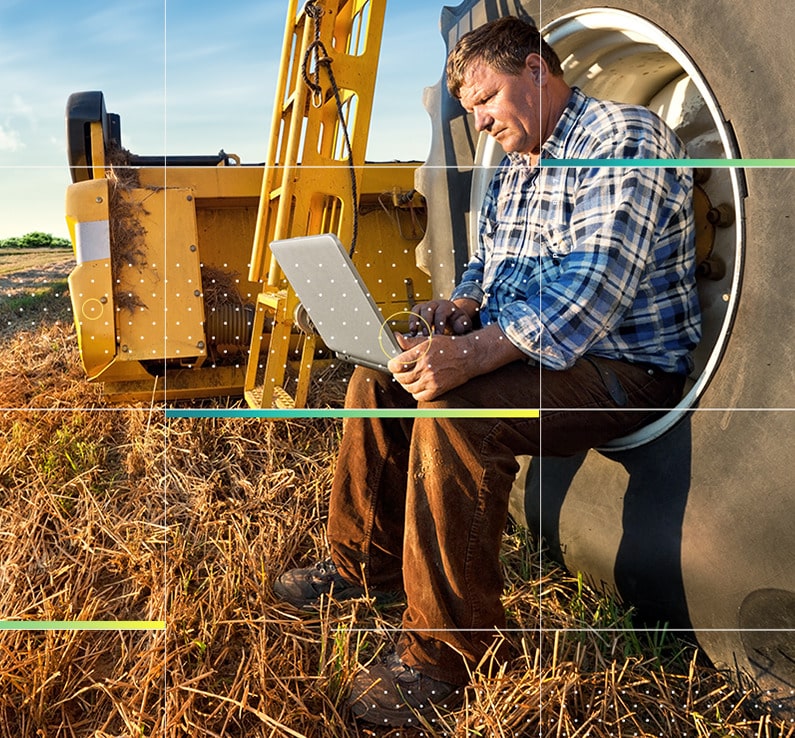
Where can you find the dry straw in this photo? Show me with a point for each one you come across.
(116, 514)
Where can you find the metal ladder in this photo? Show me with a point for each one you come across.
(312, 172)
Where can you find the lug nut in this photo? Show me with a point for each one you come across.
(721, 215)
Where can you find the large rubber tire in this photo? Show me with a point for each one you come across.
(695, 527)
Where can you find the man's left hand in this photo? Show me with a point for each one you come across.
(430, 366)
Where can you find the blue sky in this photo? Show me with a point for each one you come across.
(186, 77)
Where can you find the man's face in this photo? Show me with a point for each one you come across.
(507, 106)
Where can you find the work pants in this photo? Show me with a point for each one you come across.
(421, 504)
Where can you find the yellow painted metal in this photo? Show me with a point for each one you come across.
(307, 359)
(93, 315)
(91, 281)
(166, 321)
(210, 214)
(391, 224)
(231, 185)
(131, 383)
(86, 201)
(307, 182)
(97, 150)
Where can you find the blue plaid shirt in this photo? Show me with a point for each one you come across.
(597, 260)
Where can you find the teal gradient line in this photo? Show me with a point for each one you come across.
(304, 413)
(662, 163)
(82, 625)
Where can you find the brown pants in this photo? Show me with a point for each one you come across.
(422, 504)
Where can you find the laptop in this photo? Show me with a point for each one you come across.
(336, 299)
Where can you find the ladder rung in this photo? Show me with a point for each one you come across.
(271, 298)
(282, 399)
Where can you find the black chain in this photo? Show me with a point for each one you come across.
(317, 49)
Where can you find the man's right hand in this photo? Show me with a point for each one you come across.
(445, 317)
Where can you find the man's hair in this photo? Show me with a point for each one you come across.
(503, 45)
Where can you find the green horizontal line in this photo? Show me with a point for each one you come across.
(304, 413)
(662, 163)
(82, 625)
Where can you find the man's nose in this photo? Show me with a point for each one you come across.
(483, 121)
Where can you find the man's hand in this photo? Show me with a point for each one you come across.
(444, 317)
(429, 367)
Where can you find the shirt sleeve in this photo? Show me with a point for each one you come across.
(471, 283)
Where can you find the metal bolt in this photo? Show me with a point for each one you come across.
(721, 215)
(99, 199)
(713, 269)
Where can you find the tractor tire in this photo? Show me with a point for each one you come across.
(690, 521)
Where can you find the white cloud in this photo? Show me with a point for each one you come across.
(10, 140)
(20, 107)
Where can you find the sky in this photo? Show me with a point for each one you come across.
(185, 77)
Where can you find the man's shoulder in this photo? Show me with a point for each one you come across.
(619, 116)
(603, 123)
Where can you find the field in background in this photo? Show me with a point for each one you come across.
(111, 513)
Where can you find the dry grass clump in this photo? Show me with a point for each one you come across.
(120, 514)
(127, 234)
(219, 287)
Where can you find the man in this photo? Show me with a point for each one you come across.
(580, 300)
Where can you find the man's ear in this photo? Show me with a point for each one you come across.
(537, 67)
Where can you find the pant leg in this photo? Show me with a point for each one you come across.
(461, 472)
(448, 481)
(368, 494)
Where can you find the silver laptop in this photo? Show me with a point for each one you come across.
(336, 299)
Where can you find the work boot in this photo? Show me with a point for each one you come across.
(303, 588)
(395, 694)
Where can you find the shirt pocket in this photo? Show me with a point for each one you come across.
(554, 246)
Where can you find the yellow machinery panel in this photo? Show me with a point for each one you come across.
(91, 281)
(163, 316)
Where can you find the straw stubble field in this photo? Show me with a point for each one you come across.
(113, 513)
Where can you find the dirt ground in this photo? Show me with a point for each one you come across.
(33, 285)
(21, 268)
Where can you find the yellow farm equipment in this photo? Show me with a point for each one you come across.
(175, 293)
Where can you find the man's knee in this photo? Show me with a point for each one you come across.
(369, 388)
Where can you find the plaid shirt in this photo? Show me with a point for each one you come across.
(597, 260)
